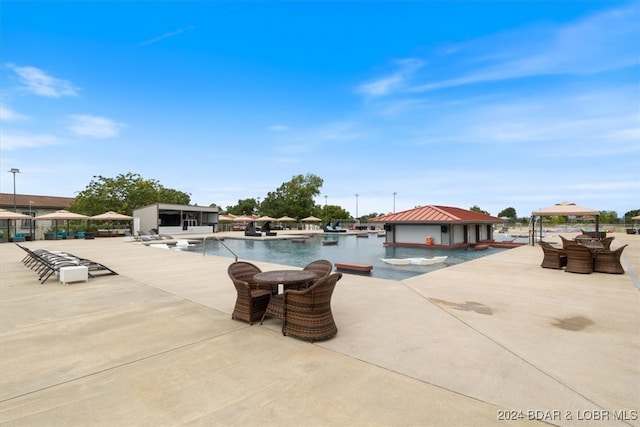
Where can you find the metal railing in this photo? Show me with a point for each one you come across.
(220, 241)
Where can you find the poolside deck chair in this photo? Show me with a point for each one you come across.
(608, 261)
(553, 257)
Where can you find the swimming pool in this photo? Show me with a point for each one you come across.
(350, 248)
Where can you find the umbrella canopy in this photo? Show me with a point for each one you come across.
(244, 218)
(311, 219)
(111, 216)
(566, 209)
(285, 219)
(636, 218)
(61, 215)
(265, 218)
(5, 214)
(226, 217)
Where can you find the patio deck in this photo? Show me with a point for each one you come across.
(497, 337)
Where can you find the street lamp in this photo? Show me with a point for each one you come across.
(325, 201)
(357, 208)
(14, 171)
(394, 202)
(31, 231)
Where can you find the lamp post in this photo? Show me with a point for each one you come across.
(357, 208)
(31, 231)
(14, 171)
(394, 202)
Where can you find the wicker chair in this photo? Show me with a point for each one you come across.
(566, 242)
(321, 267)
(252, 301)
(606, 242)
(553, 257)
(307, 313)
(579, 259)
(608, 261)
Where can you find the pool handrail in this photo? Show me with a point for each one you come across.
(221, 241)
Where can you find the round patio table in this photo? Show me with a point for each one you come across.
(290, 279)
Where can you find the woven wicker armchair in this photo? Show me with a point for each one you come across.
(579, 259)
(553, 257)
(606, 242)
(252, 301)
(307, 312)
(566, 242)
(608, 261)
(321, 267)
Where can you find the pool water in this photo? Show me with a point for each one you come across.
(349, 249)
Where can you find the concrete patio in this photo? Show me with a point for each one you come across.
(495, 341)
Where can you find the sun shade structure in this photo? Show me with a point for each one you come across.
(566, 209)
(265, 218)
(5, 214)
(111, 216)
(285, 219)
(311, 219)
(61, 215)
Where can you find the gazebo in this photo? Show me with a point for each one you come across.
(565, 209)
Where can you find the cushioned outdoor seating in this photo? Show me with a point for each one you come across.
(579, 259)
(608, 261)
(307, 312)
(251, 301)
(553, 257)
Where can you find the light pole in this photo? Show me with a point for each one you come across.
(325, 201)
(357, 208)
(394, 202)
(31, 233)
(14, 171)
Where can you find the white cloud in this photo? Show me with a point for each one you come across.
(394, 81)
(39, 83)
(94, 126)
(278, 128)
(166, 36)
(8, 115)
(15, 141)
(600, 42)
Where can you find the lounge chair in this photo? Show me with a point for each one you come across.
(579, 259)
(252, 301)
(608, 261)
(553, 257)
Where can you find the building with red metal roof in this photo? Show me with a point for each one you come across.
(441, 226)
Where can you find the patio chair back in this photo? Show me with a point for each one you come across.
(553, 257)
(307, 313)
(321, 268)
(579, 259)
(608, 261)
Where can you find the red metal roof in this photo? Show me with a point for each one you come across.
(437, 214)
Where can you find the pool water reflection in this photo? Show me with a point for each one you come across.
(349, 249)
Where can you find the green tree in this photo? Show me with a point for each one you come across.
(124, 194)
(294, 198)
(608, 217)
(475, 208)
(332, 212)
(508, 213)
(244, 207)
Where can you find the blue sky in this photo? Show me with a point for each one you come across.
(495, 104)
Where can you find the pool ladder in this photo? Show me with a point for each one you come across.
(222, 242)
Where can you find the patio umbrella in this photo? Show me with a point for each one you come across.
(61, 215)
(9, 215)
(285, 219)
(311, 219)
(226, 218)
(111, 216)
(244, 218)
(265, 218)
